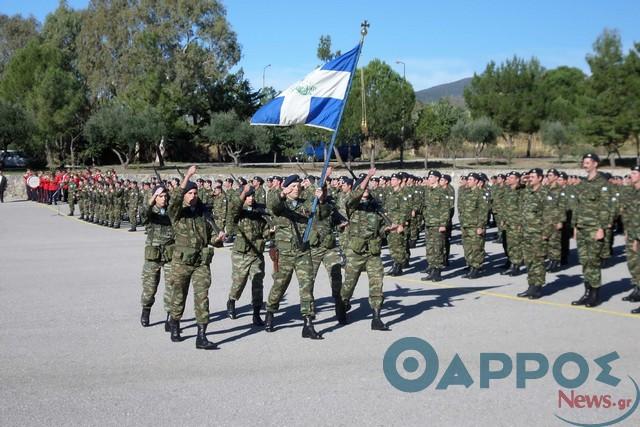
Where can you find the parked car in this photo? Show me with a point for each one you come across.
(13, 159)
(314, 151)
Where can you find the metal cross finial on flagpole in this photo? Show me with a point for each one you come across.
(364, 28)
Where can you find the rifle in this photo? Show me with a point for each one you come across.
(157, 175)
(306, 175)
(179, 173)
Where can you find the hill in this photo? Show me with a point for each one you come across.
(453, 90)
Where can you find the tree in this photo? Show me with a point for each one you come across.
(482, 132)
(509, 94)
(15, 33)
(236, 137)
(14, 126)
(435, 122)
(605, 123)
(389, 102)
(558, 135)
(632, 110)
(324, 49)
(458, 137)
(563, 92)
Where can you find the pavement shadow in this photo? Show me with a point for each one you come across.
(611, 289)
(562, 282)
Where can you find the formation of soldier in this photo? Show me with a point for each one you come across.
(536, 214)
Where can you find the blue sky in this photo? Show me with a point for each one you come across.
(438, 41)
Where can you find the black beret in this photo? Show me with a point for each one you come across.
(375, 178)
(277, 178)
(435, 173)
(397, 175)
(157, 187)
(564, 175)
(606, 175)
(290, 180)
(250, 192)
(536, 171)
(514, 173)
(447, 177)
(501, 175)
(592, 156)
(553, 171)
(475, 176)
(258, 178)
(348, 181)
(636, 168)
(190, 186)
(197, 180)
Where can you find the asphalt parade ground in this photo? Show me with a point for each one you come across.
(72, 351)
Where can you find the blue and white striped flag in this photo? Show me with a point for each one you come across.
(317, 100)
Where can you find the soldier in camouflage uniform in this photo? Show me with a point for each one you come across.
(630, 208)
(511, 222)
(366, 230)
(538, 222)
(72, 195)
(592, 216)
(260, 193)
(192, 255)
(397, 207)
(117, 208)
(565, 201)
(558, 213)
(445, 183)
(473, 210)
(132, 204)
(219, 205)
(292, 213)
(434, 210)
(247, 259)
(157, 254)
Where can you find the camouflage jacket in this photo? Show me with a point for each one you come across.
(510, 215)
(397, 206)
(191, 228)
(631, 212)
(556, 209)
(158, 226)
(219, 208)
(252, 229)
(435, 207)
(473, 208)
(535, 208)
(366, 227)
(593, 204)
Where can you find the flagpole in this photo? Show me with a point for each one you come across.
(364, 29)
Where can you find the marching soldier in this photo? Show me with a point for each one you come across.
(631, 217)
(157, 254)
(445, 183)
(192, 255)
(399, 211)
(558, 213)
(292, 213)
(511, 222)
(435, 212)
(473, 210)
(132, 202)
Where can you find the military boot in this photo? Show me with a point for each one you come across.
(435, 275)
(144, 317)
(231, 309)
(474, 273)
(81, 217)
(308, 331)
(634, 296)
(341, 311)
(174, 328)
(536, 292)
(635, 311)
(527, 293)
(268, 322)
(201, 339)
(132, 228)
(553, 266)
(376, 323)
(256, 315)
(166, 324)
(70, 214)
(594, 298)
(583, 299)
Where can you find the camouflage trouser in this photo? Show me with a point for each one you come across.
(115, 216)
(182, 275)
(473, 245)
(72, 203)
(633, 263)
(133, 214)
(414, 228)
(534, 257)
(150, 281)
(608, 243)
(243, 266)
(398, 247)
(514, 245)
(434, 243)
(332, 263)
(303, 266)
(589, 254)
(554, 245)
(356, 264)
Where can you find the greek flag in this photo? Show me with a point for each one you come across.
(317, 100)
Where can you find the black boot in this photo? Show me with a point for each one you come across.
(594, 298)
(268, 322)
(201, 340)
(174, 328)
(132, 229)
(506, 265)
(536, 293)
(427, 269)
(514, 270)
(70, 214)
(553, 266)
(256, 315)
(308, 331)
(231, 309)
(635, 311)
(474, 273)
(583, 298)
(144, 317)
(435, 275)
(526, 293)
(167, 328)
(376, 323)
(341, 311)
(634, 296)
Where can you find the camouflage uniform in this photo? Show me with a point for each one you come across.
(473, 209)
(398, 209)
(292, 216)
(72, 196)
(247, 257)
(132, 202)
(435, 212)
(157, 255)
(630, 204)
(219, 204)
(592, 211)
(191, 258)
(118, 206)
(511, 221)
(451, 201)
(538, 222)
(557, 212)
(363, 251)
